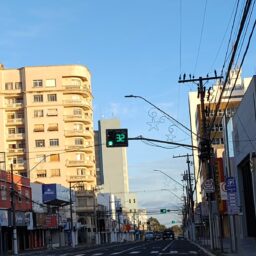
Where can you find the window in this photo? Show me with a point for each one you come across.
(55, 172)
(53, 127)
(37, 83)
(38, 98)
(21, 144)
(52, 97)
(19, 100)
(77, 112)
(52, 112)
(50, 83)
(20, 130)
(78, 127)
(18, 85)
(3, 192)
(19, 115)
(19, 196)
(41, 174)
(81, 171)
(11, 130)
(79, 141)
(54, 142)
(40, 143)
(39, 128)
(8, 86)
(38, 113)
(54, 158)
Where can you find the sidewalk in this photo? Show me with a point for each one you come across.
(245, 247)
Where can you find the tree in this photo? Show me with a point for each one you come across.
(177, 230)
(154, 225)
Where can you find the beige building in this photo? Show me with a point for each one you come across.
(46, 121)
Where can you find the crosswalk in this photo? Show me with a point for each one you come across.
(151, 252)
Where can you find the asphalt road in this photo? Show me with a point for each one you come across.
(157, 248)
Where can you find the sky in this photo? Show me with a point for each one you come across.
(137, 47)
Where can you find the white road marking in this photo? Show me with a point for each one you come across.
(97, 254)
(193, 252)
(173, 252)
(79, 254)
(154, 252)
(135, 252)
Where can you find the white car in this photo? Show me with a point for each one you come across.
(149, 236)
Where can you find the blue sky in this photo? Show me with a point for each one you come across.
(131, 47)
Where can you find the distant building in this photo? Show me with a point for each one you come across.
(112, 164)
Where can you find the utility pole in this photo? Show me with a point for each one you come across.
(205, 140)
(190, 193)
(14, 227)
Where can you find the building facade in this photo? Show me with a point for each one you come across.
(46, 115)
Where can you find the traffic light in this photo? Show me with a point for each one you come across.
(162, 210)
(116, 138)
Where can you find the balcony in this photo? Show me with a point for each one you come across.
(16, 136)
(77, 89)
(14, 105)
(86, 134)
(15, 121)
(77, 103)
(19, 166)
(82, 178)
(75, 163)
(16, 150)
(74, 118)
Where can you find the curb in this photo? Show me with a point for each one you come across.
(203, 249)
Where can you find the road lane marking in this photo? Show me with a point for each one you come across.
(135, 252)
(154, 252)
(168, 245)
(79, 254)
(173, 252)
(115, 253)
(193, 252)
(97, 254)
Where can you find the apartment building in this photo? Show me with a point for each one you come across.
(47, 124)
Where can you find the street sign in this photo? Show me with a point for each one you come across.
(231, 184)
(209, 186)
(223, 191)
(232, 199)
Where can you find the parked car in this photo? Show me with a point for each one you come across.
(168, 234)
(158, 236)
(149, 235)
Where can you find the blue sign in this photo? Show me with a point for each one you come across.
(231, 184)
(49, 192)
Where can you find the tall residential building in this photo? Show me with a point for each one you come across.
(112, 170)
(216, 133)
(47, 124)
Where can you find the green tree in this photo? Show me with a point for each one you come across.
(177, 230)
(154, 225)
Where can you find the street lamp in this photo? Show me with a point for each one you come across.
(159, 109)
